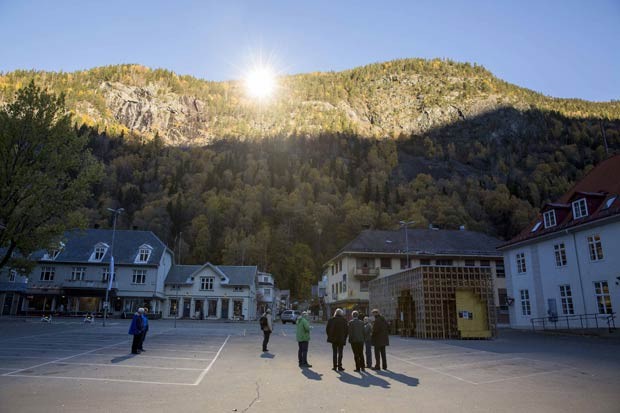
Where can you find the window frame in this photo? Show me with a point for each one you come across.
(206, 282)
(599, 293)
(521, 263)
(566, 299)
(595, 247)
(580, 208)
(47, 273)
(526, 305)
(549, 219)
(559, 251)
(78, 273)
(138, 276)
(382, 260)
(144, 254)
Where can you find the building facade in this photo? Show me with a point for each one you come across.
(564, 268)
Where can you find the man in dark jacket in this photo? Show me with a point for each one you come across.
(145, 327)
(337, 333)
(380, 339)
(135, 328)
(356, 338)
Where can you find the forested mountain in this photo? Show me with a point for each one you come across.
(285, 185)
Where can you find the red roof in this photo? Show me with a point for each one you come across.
(601, 189)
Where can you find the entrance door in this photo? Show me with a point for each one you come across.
(472, 315)
(186, 308)
(225, 308)
(8, 300)
(198, 313)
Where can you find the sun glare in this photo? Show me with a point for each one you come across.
(260, 82)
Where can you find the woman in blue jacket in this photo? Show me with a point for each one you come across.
(135, 329)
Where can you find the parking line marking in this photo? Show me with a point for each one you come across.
(434, 370)
(152, 357)
(521, 377)
(206, 370)
(101, 379)
(131, 366)
(500, 361)
(438, 355)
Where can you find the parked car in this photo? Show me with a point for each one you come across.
(289, 316)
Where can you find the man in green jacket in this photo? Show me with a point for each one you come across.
(303, 337)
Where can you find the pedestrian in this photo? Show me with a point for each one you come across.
(303, 339)
(135, 329)
(356, 338)
(145, 328)
(380, 339)
(337, 332)
(266, 324)
(368, 341)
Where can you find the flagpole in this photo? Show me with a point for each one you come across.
(106, 304)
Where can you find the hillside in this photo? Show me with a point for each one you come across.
(391, 99)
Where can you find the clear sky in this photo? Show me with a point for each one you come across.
(562, 48)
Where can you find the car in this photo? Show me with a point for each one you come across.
(289, 316)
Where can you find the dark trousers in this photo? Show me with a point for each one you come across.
(358, 355)
(302, 353)
(142, 338)
(380, 351)
(136, 343)
(337, 354)
(368, 345)
(266, 335)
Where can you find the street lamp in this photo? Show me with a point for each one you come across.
(106, 304)
(405, 224)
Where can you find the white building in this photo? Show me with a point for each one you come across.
(265, 292)
(563, 270)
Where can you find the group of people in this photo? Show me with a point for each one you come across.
(138, 328)
(362, 333)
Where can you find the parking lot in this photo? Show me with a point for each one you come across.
(218, 367)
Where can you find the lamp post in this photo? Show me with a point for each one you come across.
(106, 304)
(405, 224)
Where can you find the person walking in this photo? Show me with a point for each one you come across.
(368, 341)
(303, 339)
(337, 332)
(266, 324)
(380, 339)
(135, 329)
(145, 328)
(356, 338)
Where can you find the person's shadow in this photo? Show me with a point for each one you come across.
(365, 380)
(310, 374)
(122, 358)
(409, 381)
(267, 355)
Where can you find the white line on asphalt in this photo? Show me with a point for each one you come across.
(24, 357)
(151, 348)
(100, 379)
(521, 377)
(152, 357)
(434, 370)
(206, 370)
(130, 366)
(500, 361)
(438, 355)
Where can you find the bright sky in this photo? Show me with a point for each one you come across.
(562, 48)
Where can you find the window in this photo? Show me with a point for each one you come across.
(139, 277)
(603, 299)
(500, 272)
(77, 273)
(340, 265)
(144, 253)
(485, 263)
(525, 303)
(560, 254)
(521, 268)
(99, 252)
(105, 274)
(403, 263)
(567, 300)
(580, 208)
(549, 218)
(425, 262)
(12, 275)
(340, 290)
(386, 263)
(52, 254)
(595, 247)
(238, 289)
(364, 285)
(443, 262)
(267, 292)
(470, 263)
(502, 295)
(47, 273)
(206, 283)
(344, 283)
(173, 307)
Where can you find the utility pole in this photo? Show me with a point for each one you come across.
(405, 225)
(106, 304)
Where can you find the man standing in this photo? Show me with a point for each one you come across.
(145, 326)
(380, 339)
(356, 338)
(266, 324)
(135, 329)
(337, 332)
(368, 341)
(303, 339)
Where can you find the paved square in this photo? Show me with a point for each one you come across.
(67, 366)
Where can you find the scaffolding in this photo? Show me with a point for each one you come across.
(421, 302)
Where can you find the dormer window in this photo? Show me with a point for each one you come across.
(549, 218)
(99, 252)
(580, 208)
(144, 253)
(52, 253)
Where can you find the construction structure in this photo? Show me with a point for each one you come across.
(438, 302)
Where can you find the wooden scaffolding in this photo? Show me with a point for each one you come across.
(422, 301)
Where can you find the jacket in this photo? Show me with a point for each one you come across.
(356, 331)
(303, 329)
(337, 330)
(380, 332)
(137, 325)
(145, 322)
(367, 333)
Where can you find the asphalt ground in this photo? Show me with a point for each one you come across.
(200, 366)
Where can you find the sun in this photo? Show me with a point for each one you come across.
(260, 82)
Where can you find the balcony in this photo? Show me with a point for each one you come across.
(365, 273)
(69, 283)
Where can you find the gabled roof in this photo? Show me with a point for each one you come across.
(602, 182)
(79, 245)
(234, 275)
(423, 242)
